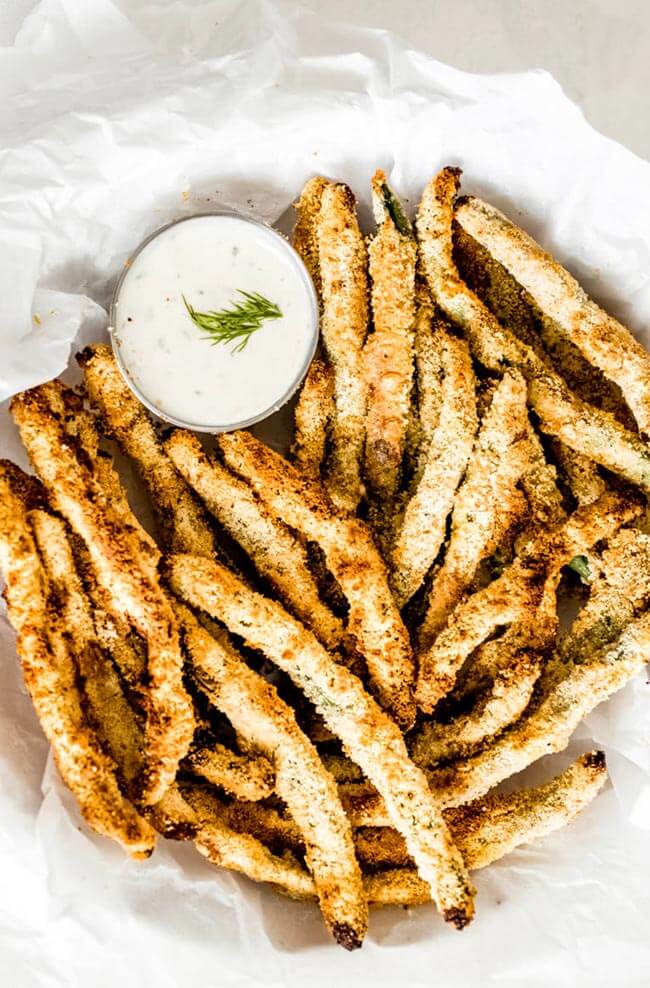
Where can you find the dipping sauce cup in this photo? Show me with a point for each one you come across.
(214, 322)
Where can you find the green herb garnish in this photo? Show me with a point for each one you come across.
(580, 565)
(238, 323)
(396, 212)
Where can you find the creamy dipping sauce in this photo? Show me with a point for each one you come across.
(172, 364)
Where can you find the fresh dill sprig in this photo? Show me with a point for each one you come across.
(238, 323)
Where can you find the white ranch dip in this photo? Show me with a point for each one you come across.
(170, 362)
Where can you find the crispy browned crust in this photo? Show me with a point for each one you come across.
(388, 355)
(126, 575)
(423, 527)
(540, 487)
(259, 715)
(342, 265)
(486, 830)
(516, 310)
(243, 776)
(25, 489)
(620, 591)
(101, 691)
(487, 502)
(50, 674)
(568, 693)
(382, 848)
(567, 696)
(274, 828)
(119, 730)
(429, 330)
(327, 237)
(517, 593)
(341, 768)
(350, 553)
(184, 525)
(498, 605)
(79, 431)
(604, 342)
(580, 474)
(534, 633)
(369, 737)
(312, 417)
(502, 704)
(118, 724)
(491, 827)
(495, 288)
(589, 430)
(111, 629)
(305, 235)
(113, 632)
(277, 554)
(192, 814)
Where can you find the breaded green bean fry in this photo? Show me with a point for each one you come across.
(492, 827)
(370, 738)
(259, 715)
(52, 678)
(487, 501)
(183, 522)
(351, 556)
(517, 593)
(388, 352)
(602, 340)
(586, 429)
(125, 567)
(312, 418)
(342, 264)
(423, 527)
(276, 553)
(242, 776)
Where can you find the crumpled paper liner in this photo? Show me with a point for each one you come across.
(113, 124)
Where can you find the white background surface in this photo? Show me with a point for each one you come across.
(598, 50)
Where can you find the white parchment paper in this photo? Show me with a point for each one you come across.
(112, 124)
